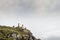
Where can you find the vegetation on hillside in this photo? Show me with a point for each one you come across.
(15, 33)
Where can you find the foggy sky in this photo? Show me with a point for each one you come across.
(53, 38)
(42, 17)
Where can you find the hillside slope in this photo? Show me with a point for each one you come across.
(15, 33)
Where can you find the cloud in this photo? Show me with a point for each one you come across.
(17, 5)
(39, 14)
(53, 38)
(30, 6)
(49, 6)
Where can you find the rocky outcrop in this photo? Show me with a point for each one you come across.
(15, 33)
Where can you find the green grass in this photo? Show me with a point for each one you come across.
(4, 30)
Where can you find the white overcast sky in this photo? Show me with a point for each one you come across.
(42, 17)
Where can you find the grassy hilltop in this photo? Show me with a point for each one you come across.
(15, 33)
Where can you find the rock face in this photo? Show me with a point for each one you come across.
(15, 33)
